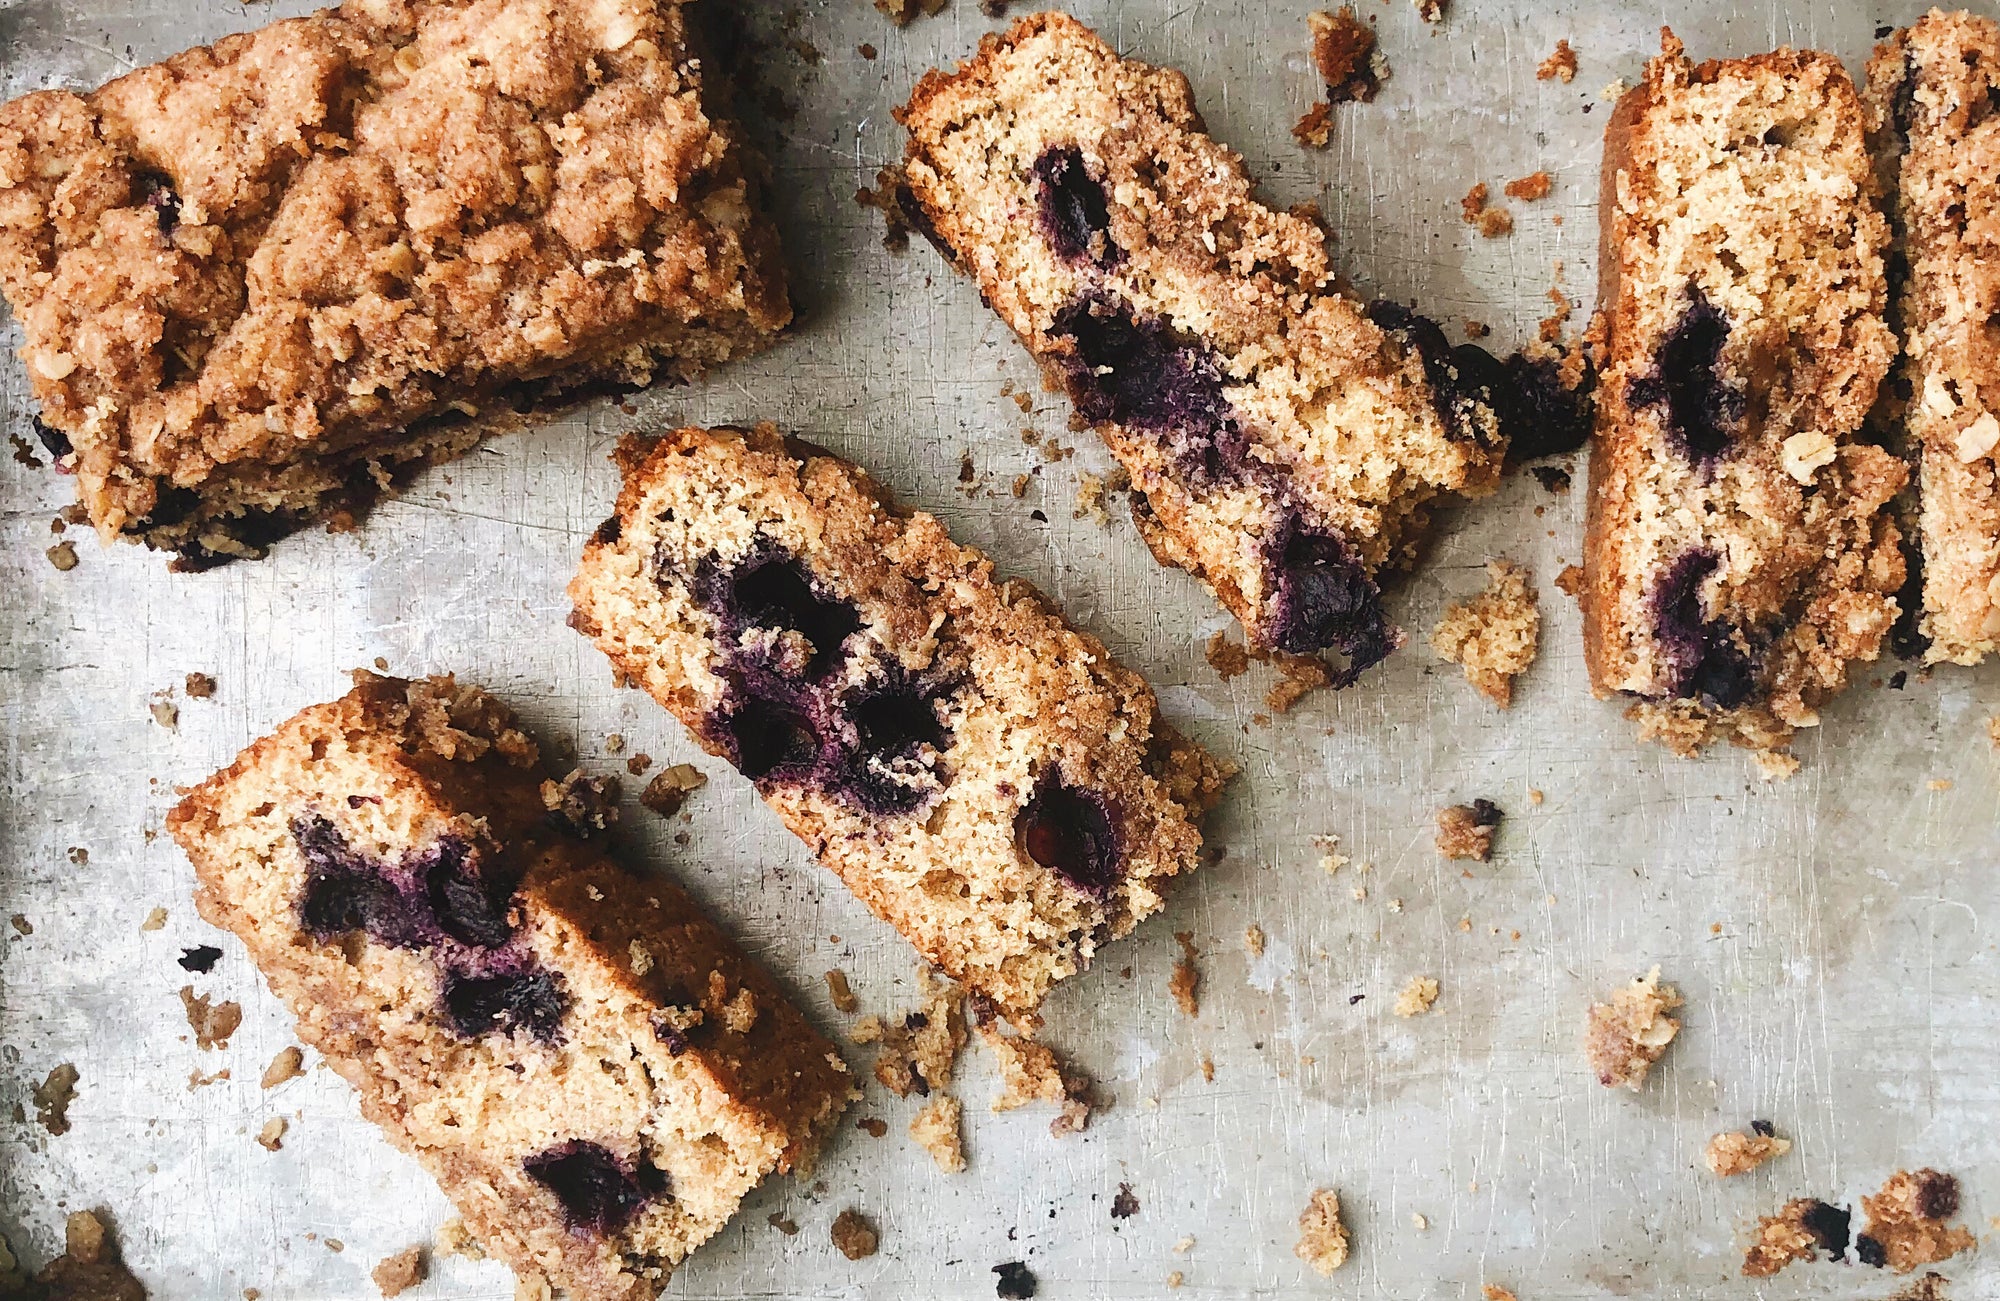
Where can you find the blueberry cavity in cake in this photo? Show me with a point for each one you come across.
(591, 1070)
(1933, 92)
(1741, 553)
(984, 777)
(1285, 442)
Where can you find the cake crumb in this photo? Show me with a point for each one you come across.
(1775, 765)
(1229, 659)
(1175, 1278)
(212, 1024)
(1736, 1153)
(1494, 1292)
(1625, 1036)
(1494, 636)
(1322, 1237)
(1302, 675)
(1419, 1221)
(1906, 1222)
(1090, 500)
(1529, 188)
(904, 12)
(1185, 981)
(854, 1235)
(1559, 66)
(1535, 796)
(287, 1065)
(1343, 50)
(454, 1239)
(1801, 1228)
(873, 1126)
(920, 1049)
(842, 995)
(783, 1223)
(1614, 90)
(21, 924)
(668, 791)
(89, 1268)
(272, 1136)
(1467, 830)
(1495, 222)
(199, 686)
(399, 1273)
(1474, 203)
(889, 198)
(1570, 581)
(1417, 997)
(1331, 860)
(1124, 1203)
(936, 1130)
(1032, 1071)
(1431, 11)
(196, 1080)
(165, 712)
(154, 920)
(1182, 1246)
(1253, 940)
(583, 803)
(638, 764)
(53, 1096)
(1207, 1069)
(1314, 130)
(63, 556)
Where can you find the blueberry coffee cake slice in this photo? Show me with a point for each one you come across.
(592, 1072)
(1741, 553)
(1932, 93)
(267, 280)
(985, 778)
(1285, 442)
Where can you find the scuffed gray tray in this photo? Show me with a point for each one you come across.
(1833, 934)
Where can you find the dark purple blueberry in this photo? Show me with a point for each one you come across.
(1132, 370)
(338, 903)
(1702, 656)
(1537, 414)
(171, 505)
(598, 1192)
(1069, 831)
(1903, 102)
(1324, 600)
(891, 726)
(1906, 636)
(1704, 411)
(669, 1033)
(54, 439)
(1870, 1251)
(1466, 382)
(1124, 1205)
(764, 736)
(1016, 1281)
(533, 1000)
(468, 907)
(1485, 813)
(1830, 1227)
(609, 531)
(200, 959)
(156, 191)
(1075, 213)
(1937, 1195)
(777, 593)
(1763, 1129)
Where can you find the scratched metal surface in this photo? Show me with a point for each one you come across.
(1833, 934)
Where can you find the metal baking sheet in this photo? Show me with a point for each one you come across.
(1834, 934)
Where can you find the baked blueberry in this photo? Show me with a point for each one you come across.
(598, 1192)
(1075, 216)
(1068, 830)
(531, 1000)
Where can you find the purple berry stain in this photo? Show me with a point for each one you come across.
(1325, 600)
(1069, 831)
(505, 1002)
(1702, 657)
(1075, 214)
(775, 593)
(1704, 412)
(598, 1193)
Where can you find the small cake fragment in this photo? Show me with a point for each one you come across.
(855, 1235)
(1801, 1229)
(1467, 830)
(1495, 635)
(1031, 1071)
(1559, 66)
(1907, 1222)
(1286, 443)
(265, 282)
(397, 1274)
(1417, 996)
(935, 1129)
(1627, 1034)
(981, 775)
(460, 954)
(1737, 1153)
(89, 1268)
(1322, 1237)
(1741, 551)
(1343, 52)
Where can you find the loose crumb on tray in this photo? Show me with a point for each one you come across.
(669, 790)
(1185, 981)
(289, 1064)
(936, 1130)
(1624, 1036)
(854, 1235)
(1467, 830)
(53, 1096)
(89, 1268)
(1906, 1222)
(904, 12)
(920, 1049)
(1495, 635)
(1417, 996)
(272, 1136)
(1559, 66)
(212, 1024)
(844, 1001)
(1737, 1153)
(1529, 188)
(1494, 1292)
(399, 1273)
(1229, 659)
(1801, 1229)
(1343, 50)
(1322, 1237)
(1033, 1072)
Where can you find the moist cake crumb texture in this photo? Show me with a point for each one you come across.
(1286, 443)
(1467, 830)
(1932, 88)
(984, 777)
(1495, 635)
(1322, 1237)
(1741, 553)
(1625, 1035)
(1417, 997)
(1343, 53)
(265, 281)
(1907, 1222)
(1737, 1153)
(588, 1067)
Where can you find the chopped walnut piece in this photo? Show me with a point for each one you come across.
(669, 789)
(844, 1001)
(1625, 1036)
(854, 1235)
(1736, 1153)
(1466, 830)
(1495, 635)
(1322, 1237)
